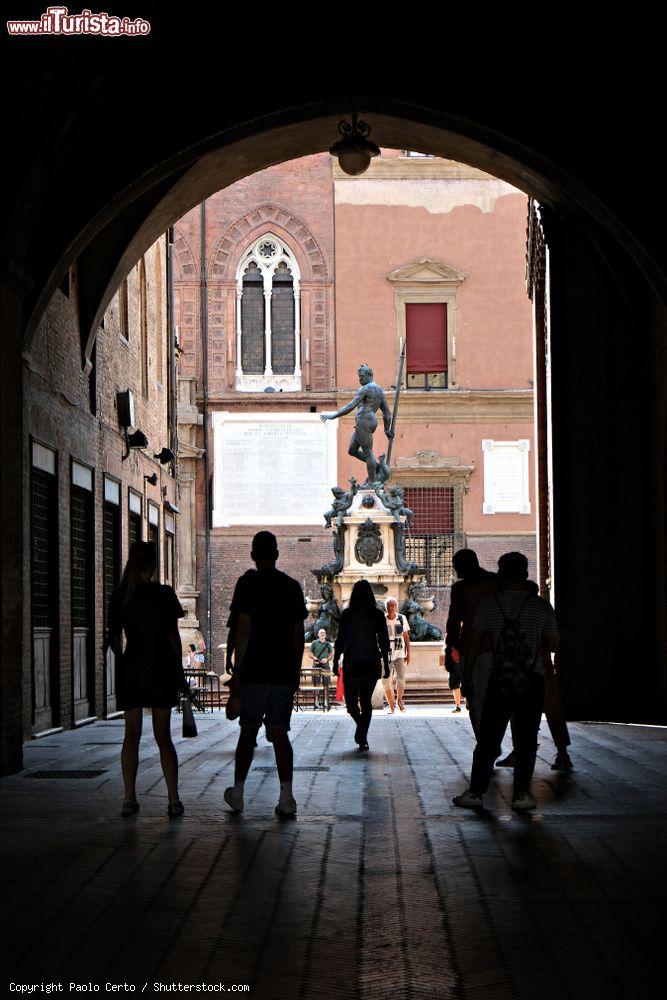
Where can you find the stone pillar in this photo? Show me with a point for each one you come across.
(14, 636)
(608, 463)
(268, 292)
(239, 297)
(537, 290)
(189, 418)
(297, 329)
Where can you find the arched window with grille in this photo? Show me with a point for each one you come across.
(268, 318)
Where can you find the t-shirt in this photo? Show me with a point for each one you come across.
(465, 597)
(275, 604)
(537, 619)
(397, 628)
(321, 650)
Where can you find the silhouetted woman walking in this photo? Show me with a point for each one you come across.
(363, 640)
(149, 671)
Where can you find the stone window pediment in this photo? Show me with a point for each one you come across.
(426, 269)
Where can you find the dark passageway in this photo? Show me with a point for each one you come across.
(69, 206)
(378, 888)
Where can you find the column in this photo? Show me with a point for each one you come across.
(239, 296)
(268, 291)
(297, 329)
(12, 500)
(189, 419)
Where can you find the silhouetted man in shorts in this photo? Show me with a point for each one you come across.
(268, 611)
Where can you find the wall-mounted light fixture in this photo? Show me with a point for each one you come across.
(136, 440)
(151, 479)
(165, 456)
(355, 150)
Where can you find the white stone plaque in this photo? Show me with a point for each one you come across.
(272, 468)
(506, 471)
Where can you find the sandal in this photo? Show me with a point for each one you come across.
(129, 807)
(175, 809)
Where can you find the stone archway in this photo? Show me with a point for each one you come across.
(163, 195)
(596, 258)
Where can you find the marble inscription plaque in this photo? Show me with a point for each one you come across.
(506, 480)
(272, 468)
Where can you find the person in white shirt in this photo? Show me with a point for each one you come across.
(399, 642)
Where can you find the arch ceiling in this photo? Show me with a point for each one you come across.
(112, 147)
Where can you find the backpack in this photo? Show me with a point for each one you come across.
(513, 662)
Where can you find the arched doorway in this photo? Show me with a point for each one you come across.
(602, 284)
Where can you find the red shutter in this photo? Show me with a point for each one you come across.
(426, 330)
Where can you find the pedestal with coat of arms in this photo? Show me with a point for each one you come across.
(369, 550)
(369, 530)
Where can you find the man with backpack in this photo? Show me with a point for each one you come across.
(518, 623)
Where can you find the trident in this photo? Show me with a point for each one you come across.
(399, 381)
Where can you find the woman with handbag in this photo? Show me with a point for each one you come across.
(364, 641)
(149, 671)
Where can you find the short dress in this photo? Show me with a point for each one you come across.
(149, 673)
(362, 639)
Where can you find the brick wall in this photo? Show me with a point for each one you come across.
(294, 201)
(489, 548)
(57, 413)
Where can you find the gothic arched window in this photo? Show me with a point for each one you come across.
(268, 322)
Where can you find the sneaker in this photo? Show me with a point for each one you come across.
(233, 799)
(363, 746)
(468, 800)
(523, 801)
(457, 709)
(506, 761)
(175, 809)
(562, 762)
(129, 808)
(286, 808)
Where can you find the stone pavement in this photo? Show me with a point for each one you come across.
(381, 888)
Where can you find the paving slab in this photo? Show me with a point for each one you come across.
(379, 888)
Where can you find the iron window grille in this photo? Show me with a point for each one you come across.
(431, 541)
